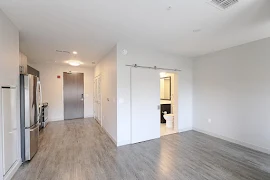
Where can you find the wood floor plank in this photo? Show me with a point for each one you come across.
(81, 150)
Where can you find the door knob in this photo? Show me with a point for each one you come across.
(82, 97)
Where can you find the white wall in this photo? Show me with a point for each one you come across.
(52, 88)
(232, 88)
(138, 54)
(107, 70)
(9, 68)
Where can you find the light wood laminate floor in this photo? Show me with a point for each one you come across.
(166, 131)
(80, 149)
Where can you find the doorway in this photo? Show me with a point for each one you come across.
(73, 88)
(168, 103)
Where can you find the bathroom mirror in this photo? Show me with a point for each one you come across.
(165, 88)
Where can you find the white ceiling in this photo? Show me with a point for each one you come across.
(93, 27)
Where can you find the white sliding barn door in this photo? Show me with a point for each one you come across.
(145, 102)
(95, 98)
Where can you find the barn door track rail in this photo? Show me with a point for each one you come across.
(154, 67)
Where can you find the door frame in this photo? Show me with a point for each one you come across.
(63, 97)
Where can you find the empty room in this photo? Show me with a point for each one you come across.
(123, 90)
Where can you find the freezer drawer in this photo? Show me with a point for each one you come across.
(31, 142)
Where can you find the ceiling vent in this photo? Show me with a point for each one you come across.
(223, 4)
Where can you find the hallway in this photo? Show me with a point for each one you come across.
(80, 149)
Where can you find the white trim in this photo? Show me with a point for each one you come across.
(62, 119)
(113, 140)
(88, 117)
(122, 143)
(251, 146)
(55, 119)
(184, 129)
(130, 105)
(13, 170)
(1, 140)
(98, 121)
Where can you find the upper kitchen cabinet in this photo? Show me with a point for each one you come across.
(23, 64)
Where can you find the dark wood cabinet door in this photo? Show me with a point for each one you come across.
(73, 95)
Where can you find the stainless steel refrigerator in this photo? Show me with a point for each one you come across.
(31, 98)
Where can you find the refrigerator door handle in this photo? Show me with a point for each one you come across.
(37, 104)
(33, 129)
(40, 97)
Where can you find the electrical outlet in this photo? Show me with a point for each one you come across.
(209, 120)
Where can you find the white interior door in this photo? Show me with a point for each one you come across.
(97, 99)
(145, 104)
(9, 128)
(99, 112)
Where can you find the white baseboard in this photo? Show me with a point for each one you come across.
(122, 143)
(251, 146)
(113, 140)
(126, 142)
(185, 129)
(89, 117)
(98, 121)
(62, 119)
(52, 120)
(13, 170)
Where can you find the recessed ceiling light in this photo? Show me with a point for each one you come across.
(75, 52)
(74, 63)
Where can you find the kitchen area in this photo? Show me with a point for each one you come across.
(21, 134)
(33, 111)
